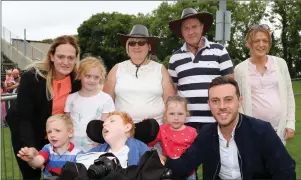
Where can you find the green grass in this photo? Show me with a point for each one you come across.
(8, 163)
(292, 146)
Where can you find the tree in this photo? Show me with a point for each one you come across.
(288, 14)
(98, 36)
(244, 15)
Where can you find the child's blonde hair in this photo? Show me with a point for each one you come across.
(66, 119)
(91, 62)
(176, 99)
(126, 119)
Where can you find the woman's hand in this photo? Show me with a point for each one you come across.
(289, 133)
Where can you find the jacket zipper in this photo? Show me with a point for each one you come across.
(216, 170)
(241, 174)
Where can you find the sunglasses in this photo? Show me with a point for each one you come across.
(259, 26)
(140, 43)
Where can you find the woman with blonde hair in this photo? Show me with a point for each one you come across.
(43, 90)
(265, 84)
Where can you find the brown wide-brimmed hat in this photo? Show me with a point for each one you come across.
(140, 31)
(204, 17)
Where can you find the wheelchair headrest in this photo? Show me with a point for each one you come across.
(145, 131)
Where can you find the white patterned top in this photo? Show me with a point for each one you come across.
(82, 111)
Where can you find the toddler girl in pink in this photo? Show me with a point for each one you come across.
(174, 136)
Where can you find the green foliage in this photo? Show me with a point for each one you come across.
(288, 14)
(98, 36)
(244, 15)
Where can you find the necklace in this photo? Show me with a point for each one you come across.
(138, 65)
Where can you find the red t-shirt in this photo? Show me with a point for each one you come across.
(174, 143)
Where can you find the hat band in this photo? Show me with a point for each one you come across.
(138, 35)
(187, 15)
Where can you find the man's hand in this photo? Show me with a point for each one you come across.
(289, 133)
(27, 154)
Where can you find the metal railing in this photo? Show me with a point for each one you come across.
(22, 46)
(9, 166)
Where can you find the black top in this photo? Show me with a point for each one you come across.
(261, 154)
(28, 115)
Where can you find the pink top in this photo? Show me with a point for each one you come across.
(174, 143)
(265, 93)
(9, 79)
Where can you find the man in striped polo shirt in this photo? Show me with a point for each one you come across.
(196, 63)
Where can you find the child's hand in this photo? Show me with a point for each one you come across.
(27, 154)
(162, 159)
(95, 144)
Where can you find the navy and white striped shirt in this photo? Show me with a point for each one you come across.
(193, 74)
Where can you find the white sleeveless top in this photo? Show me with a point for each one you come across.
(140, 97)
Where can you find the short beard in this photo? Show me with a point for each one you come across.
(233, 118)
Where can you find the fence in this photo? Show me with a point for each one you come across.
(18, 43)
(9, 166)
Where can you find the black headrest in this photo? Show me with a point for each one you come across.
(145, 131)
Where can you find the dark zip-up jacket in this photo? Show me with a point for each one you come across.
(261, 154)
(29, 113)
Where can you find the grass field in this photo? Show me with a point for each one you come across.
(10, 170)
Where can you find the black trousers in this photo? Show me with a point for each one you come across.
(28, 173)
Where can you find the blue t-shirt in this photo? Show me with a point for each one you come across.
(54, 161)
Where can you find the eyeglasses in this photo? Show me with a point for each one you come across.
(140, 43)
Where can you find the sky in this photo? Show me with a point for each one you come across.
(49, 19)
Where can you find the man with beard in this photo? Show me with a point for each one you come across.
(236, 146)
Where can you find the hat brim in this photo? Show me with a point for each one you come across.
(145, 131)
(203, 17)
(152, 40)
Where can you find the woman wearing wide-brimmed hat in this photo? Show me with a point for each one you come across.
(140, 86)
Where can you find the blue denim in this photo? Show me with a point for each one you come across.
(192, 177)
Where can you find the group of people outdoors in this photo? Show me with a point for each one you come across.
(11, 82)
(234, 121)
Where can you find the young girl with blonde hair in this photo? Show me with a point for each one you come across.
(90, 102)
(175, 136)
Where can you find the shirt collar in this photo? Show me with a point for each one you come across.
(220, 135)
(269, 64)
(70, 148)
(206, 44)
